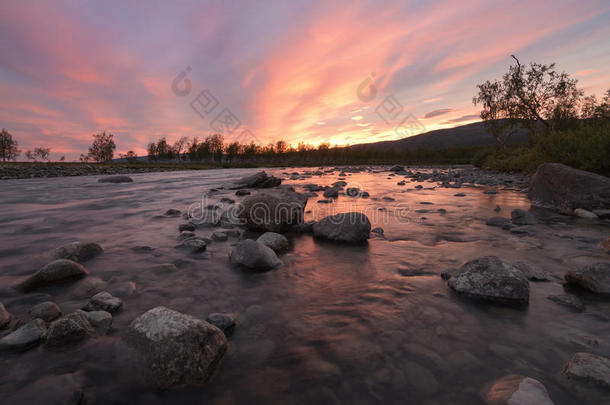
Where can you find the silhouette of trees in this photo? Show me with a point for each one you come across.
(8, 146)
(102, 148)
(38, 153)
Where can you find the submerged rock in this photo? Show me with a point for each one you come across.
(57, 270)
(193, 244)
(569, 301)
(350, 227)
(24, 338)
(273, 240)
(517, 390)
(594, 278)
(588, 369)
(51, 389)
(47, 311)
(100, 320)
(5, 317)
(448, 272)
(179, 349)
(186, 227)
(564, 189)
(115, 179)
(522, 217)
(220, 236)
(491, 279)
(68, 330)
(273, 210)
(254, 255)
(224, 322)
(497, 221)
(104, 301)
(531, 271)
(78, 251)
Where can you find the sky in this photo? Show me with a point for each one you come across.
(343, 72)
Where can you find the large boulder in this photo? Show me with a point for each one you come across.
(254, 255)
(179, 349)
(349, 227)
(522, 217)
(489, 278)
(588, 369)
(517, 390)
(273, 210)
(593, 277)
(24, 338)
(57, 270)
(564, 189)
(78, 251)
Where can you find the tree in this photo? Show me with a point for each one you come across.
(8, 146)
(102, 149)
(215, 144)
(39, 152)
(179, 146)
(280, 147)
(84, 158)
(533, 97)
(130, 156)
(232, 150)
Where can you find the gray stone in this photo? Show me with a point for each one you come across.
(220, 236)
(242, 193)
(47, 311)
(332, 192)
(273, 240)
(521, 230)
(489, 278)
(569, 301)
(594, 278)
(522, 217)
(163, 268)
(581, 213)
(100, 320)
(24, 338)
(517, 390)
(78, 251)
(588, 369)
(254, 255)
(497, 221)
(224, 322)
(350, 227)
(194, 244)
(257, 180)
(57, 270)
(564, 189)
(532, 272)
(186, 227)
(68, 330)
(5, 317)
(115, 179)
(179, 349)
(273, 210)
(104, 301)
(172, 212)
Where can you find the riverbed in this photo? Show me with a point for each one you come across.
(334, 323)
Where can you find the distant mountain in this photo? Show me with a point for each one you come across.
(466, 135)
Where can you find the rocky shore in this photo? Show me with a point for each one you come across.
(34, 170)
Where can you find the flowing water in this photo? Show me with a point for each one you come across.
(334, 323)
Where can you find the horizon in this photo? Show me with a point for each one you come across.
(295, 72)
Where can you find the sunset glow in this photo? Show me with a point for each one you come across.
(289, 71)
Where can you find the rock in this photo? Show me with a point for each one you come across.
(569, 301)
(163, 268)
(517, 390)
(350, 227)
(78, 251)
(68, 330)
(339, 184)
(397, 168)
(352, 192)
(100, 320)
(194, 244)
(242, 193)
(57, 270)
(220, 236)
(332, 192)
(104, 301)
(254, 255)
(50, 389)
(581, 213)
(588, 369)
(224, 322)
(324, 201)
(605, 245)
(24, 338)
(532, 272)
(490, 192)
(172, 213)
(5, 317)
(47, 311)
(179, 349)
(497, 221)
(388, 199)
(522, 217)
(564, 189)
(115, 179)
(377, 230)
(186, 227)
(594, 278)
(273, 210)
(185, 235)
(142, 249)
(273, 240)
(365, 194)
(227, 200)
(257, 180)
(498, 208)
(448, 272)
(489, 278)
(520, 230)
(459, 195)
